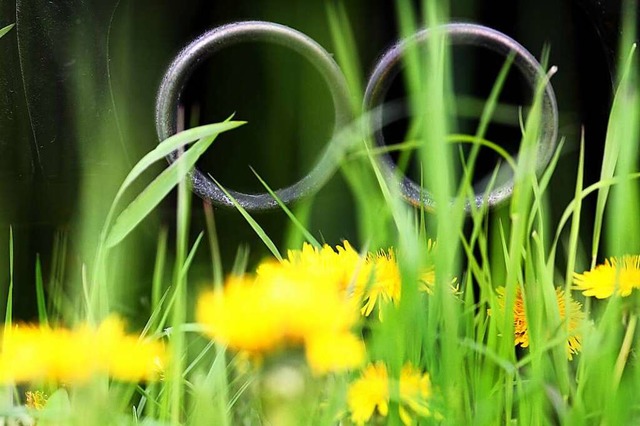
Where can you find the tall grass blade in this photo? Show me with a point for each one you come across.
(40, 299)
(214, 245)
(623, 235)
(158, 270)
(346, 52)
(586, 192)
(176, 384)
(205, 135)
(182, 271)
(172, 144)
(252, 222)
(151, 196)
(6, 29)
(8, 315)
(241, 260)
(192, 253)
(485, 120)
(575, 222)
(610, 158)
(309, 237)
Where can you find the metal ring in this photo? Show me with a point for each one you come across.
(470, 34)
(214, 40)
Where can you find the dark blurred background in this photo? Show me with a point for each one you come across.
(78, 80)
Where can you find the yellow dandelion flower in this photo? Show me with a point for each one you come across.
(520, 328)
(240, 316)
(619, 275)
(334, 352)
(300, 302)
(343, 267)
(31, 352)
(36, 400)
(520, 325)
(576, 317)
(369, 393)
(428, 279)
(428, 275)
(415, 392)
(258, 315)
(306, 306)
(385, 282)
(127, 357)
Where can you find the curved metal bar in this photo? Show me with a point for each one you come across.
(214, 40)
(469, 34)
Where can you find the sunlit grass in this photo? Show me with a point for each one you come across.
(483, 327)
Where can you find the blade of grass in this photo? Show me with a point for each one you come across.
(86, 293)
(251, 221)
(151, 196)
(6, 29)
(183, 270)
(42, 306)
(197, 359)
(452, 138)
(551, 167)
(587, 191)
(346, 52)
(214, 246)
(575, 221)
(57, 273)
(406, 20)
(310, 238)
(217, 377)
(177, 385)
(8, 314)
(625, 350)
(485, 120)
(155, 314)
(189, 259)
(623, 231)
(162, 185)
(240, 262)
(158, 269)
(609, 160)
(171, 145)
(542, 185)
(302, 211)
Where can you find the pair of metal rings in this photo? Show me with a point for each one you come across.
(387, 67)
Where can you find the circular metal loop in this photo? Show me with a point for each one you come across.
(214, 40)
(468, 34)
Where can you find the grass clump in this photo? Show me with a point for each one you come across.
(436, 318)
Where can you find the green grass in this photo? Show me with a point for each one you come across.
(479, 376)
